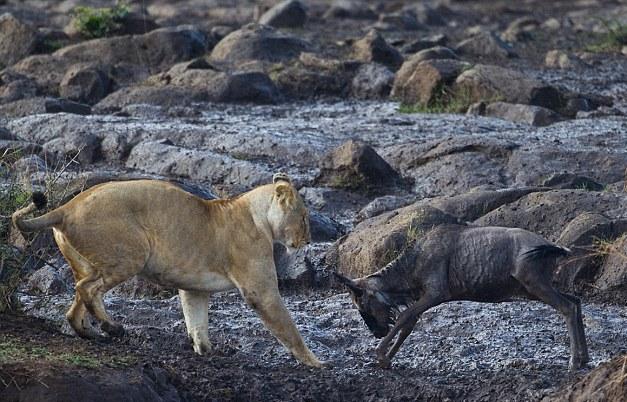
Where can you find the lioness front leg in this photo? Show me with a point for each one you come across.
(195, 310)
(270, 307)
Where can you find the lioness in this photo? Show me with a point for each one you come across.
(116, 230)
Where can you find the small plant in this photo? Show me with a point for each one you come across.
(445, 100)
(99, 22)
(613, 40)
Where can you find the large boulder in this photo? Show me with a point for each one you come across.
(217, 86)
(487, 45)
(356, 166)
(166, 96)
(17, 40)
(85, 83)
(492, 83)
(255, 42)
(374, 48)
(350, 9)
(422, 82)
(613, 273)
(452, 165)
(38, 105)
(528, 114)
(164, 158)
(286, 14)
(583, 236)
(15, 86)
(157, 49)
(372, 81)
(548, 213)
(377, 241)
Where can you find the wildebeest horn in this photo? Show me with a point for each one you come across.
(350, 283)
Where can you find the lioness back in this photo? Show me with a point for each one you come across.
(155, 229)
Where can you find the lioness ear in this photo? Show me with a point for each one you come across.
(350, 284)
(281, 177)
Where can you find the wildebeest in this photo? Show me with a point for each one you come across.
(455, 262)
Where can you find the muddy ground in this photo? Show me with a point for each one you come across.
(514, 351)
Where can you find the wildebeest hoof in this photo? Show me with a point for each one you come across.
(384, 362)
(113, 330)
(577, 364)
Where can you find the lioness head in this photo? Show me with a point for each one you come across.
(288, 215)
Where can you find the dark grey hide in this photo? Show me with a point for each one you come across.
(454, 262)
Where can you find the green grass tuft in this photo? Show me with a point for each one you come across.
(446, 100)
(99, 22)
(613, 40)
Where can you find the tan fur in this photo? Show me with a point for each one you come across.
(116, 230)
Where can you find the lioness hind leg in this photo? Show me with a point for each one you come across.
(78, 318)
(196, 310)
(92, 291)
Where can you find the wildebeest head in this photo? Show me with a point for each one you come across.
(372, 304)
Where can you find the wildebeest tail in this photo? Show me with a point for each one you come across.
(544, 251)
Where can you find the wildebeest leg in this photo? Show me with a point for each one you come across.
(539, 286)
(583, 347)
(403, 334)
(404, 320)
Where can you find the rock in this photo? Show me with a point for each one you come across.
(17, 40)
(527, 114)
(373, 48)
(572, 181)
(398, 21)
(80, 145)
(323, 228)
(563, 60)
(295, 269)
(547, 213)
(476, 203)
(552, 24)
(606, 382)
(430, 15)
(420, 81)
(299, 81)
(286, 14)
(85, 83)
(520, 29)
(339, 203)
(257, 42)
(372, 81)
(158, 49)
(453, 165)
(532, 165)
(49, 280)
(354, 9)
(425, 43)
(47, 70)
(490, 83)
(167, 96)
(161, 157)
(384, 204)
(356, 166)
(40, 105)
(613, 273)
(437, 52)
(141, 382)
(377, 241)
(487, 45)
(581, 235)
(15, 86)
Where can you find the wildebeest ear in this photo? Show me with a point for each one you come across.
(350, 283)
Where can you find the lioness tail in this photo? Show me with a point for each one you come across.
(33, 225)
